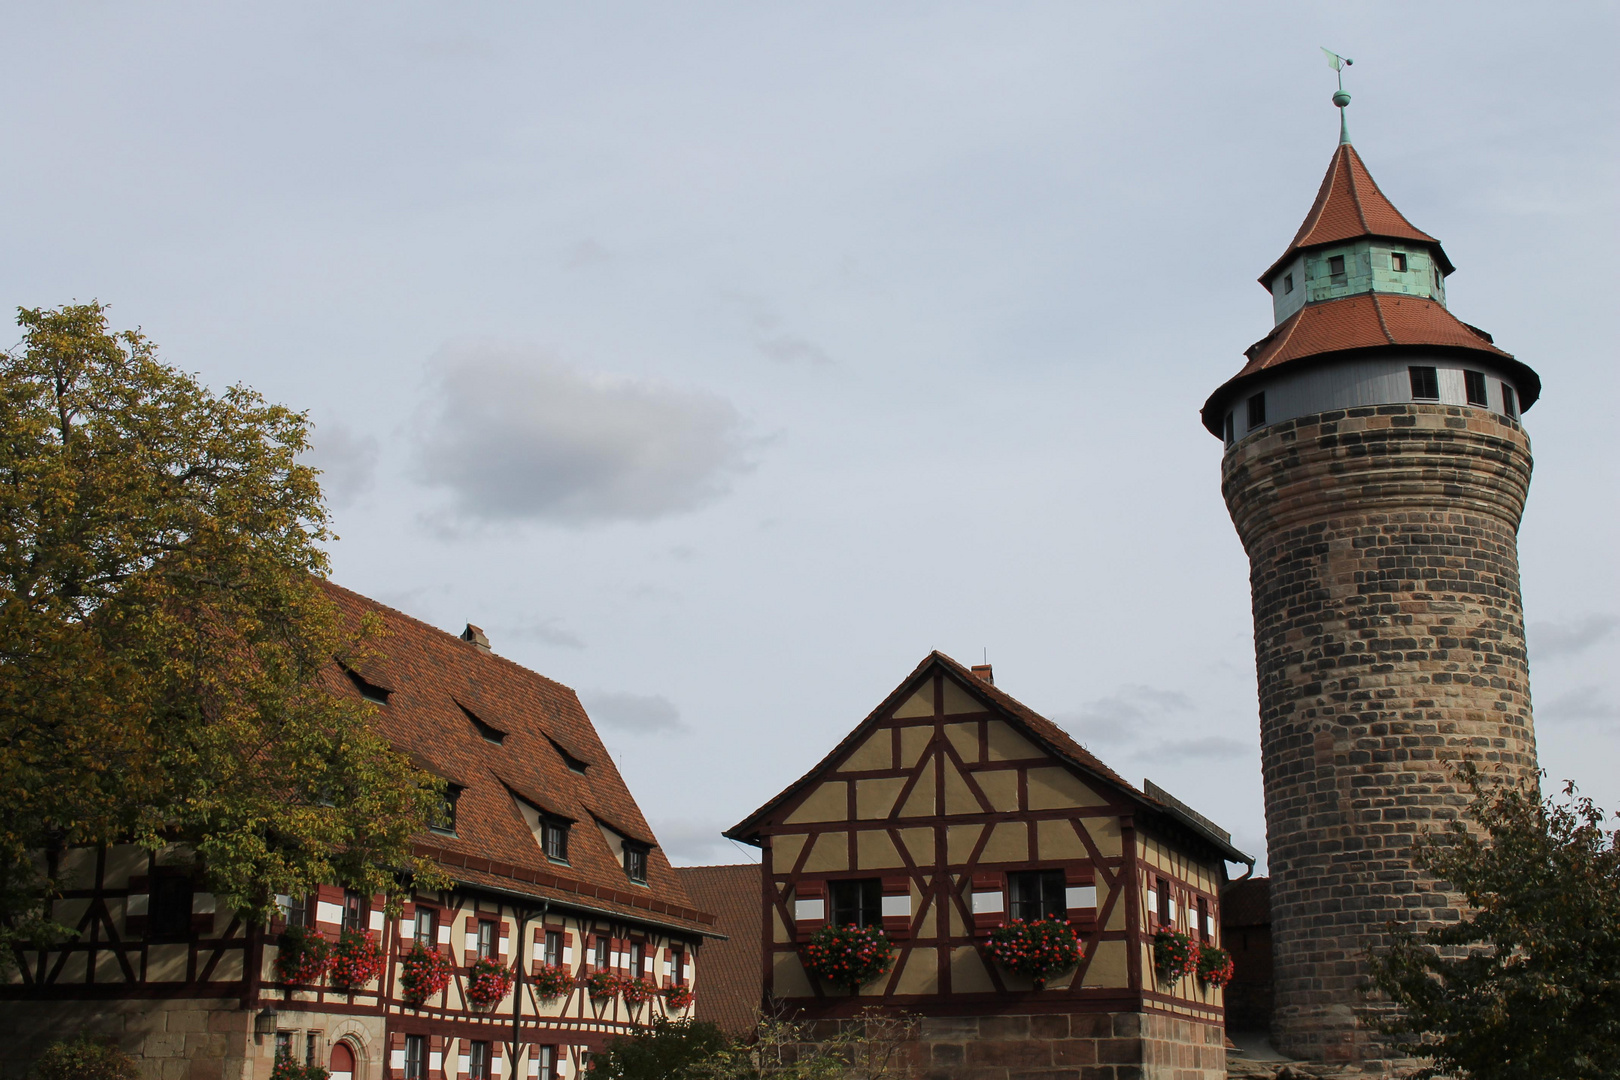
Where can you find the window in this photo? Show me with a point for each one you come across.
(487, 732)
(1257, 411)
(416, 1057)
(1167, 910)
(638, 960)
(354, 911)
(1036, 894)
(677, 965)
(1425, 383)
(1475, 383)
(169, 913)
(293, 911)
(1288, 283)
(554, 839)
(423, 933)
(553, 948)
(635, 862)
(1336, 274)
(312, 1042)
(601, 958)
(1203, 928)
(856, 903)
(284, 1046)
(1436, 279)
(1510, 401)
(486, 939)
(446, 825)
(1231, 434)
(546, 1059)
(1397, 261)
(368, 690)
(478, 1062)
(574, 764)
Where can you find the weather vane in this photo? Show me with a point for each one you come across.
(1341, 99)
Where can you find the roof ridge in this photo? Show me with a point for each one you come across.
(1353, 160)
(1383, 323)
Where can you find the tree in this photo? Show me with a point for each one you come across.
(1527, 985)
(665, 1051)
(164, 637)
(85, 1058)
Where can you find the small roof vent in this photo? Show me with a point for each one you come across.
(476, 636)
(983, 672)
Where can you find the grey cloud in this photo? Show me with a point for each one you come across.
(348, 462)
(513, 435)
(1210, 747)
(771, 339)
(640, 713)
(1582, 703)
(1566, 637)
(548, 631)
(585, 254)
(1124, 717)
(698, 843)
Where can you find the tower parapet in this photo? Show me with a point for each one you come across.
(1376, 469)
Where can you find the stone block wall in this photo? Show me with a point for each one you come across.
(170, 1039)
(1389, 643)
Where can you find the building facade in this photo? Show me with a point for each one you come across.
(1376, 468)
(953, 809)
(555, 869)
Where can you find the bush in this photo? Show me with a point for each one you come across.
(601, 984)
(668, 1050)
(1037, 949)
(1214, 966)
(425, 972)
(303, 957)
(678, 997)
(356, 960)
(85, 1058)
(848, 956)
(1174, 955)
(286, 1068)
(551, 981)
(487, 983)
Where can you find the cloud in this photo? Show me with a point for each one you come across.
(586, 253)
(516, 436)
(640, 713)
(348, 462)
(771, 339)
(690, 842)
(1582, 703)
(548, 631)
(1569, 636)
(1212, 747)
(1127, 716)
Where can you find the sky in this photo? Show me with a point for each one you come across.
(721, 360)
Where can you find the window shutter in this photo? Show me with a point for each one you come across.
(328, 910)
(897, 908)
(137, 905)
(503, 942)
(435, 1061)
(568, 949)
(377, 917)
(469, 940)
(1080, 896)
(407, 926)
(809, 908)
(396, 1055)
(463, 1057)
(989, 902)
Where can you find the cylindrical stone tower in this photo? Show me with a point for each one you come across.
(1376, 469)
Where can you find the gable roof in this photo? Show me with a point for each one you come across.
(436, 682)
(1365, 321)
(1350, 205)
(1043, 732)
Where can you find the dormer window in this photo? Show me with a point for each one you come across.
(554, 839)
(574, 764)
(1288, 283)
(489, 733)
(368, 690)
(1397, 261)
(635, 862)
(1336, 274)
(446, 825)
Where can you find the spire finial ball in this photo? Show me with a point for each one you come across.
(1341, 99)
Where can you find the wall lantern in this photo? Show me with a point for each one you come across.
(265, 1023)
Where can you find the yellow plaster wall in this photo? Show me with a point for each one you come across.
(1057, 788)
(1000, 786)
(123, 860)
(876, 851)
(788, 978)
(968, 974)
(919, 845)
(921, 973)
(1007, 745)
(1105, 833)
(913, 740)
(964, 738)
(1108, 965)
(959, 701)
(785, 848)
(1009, 842)
(918, 704)
(828, 802)
(876, 751)
(959, 799)
(875, 798)
(1059, 841)
(779, 930)
(959, 841)
(920, 803)
(830, 855)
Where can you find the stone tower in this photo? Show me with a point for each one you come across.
(1376, 468)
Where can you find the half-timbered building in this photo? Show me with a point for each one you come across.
(554, 867)
(953, 809)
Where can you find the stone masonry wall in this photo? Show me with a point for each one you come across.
(170, 1039)
(1389, 645)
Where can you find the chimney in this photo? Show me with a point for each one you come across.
(476, 636)
(983, 671)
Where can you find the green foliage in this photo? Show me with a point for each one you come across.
(302, 956)
(869, 1047)
(286, 1068)
(1527, 985)
(668, 1050)
(1038, 949)
(163, 636)
(848, 956)
(1174, 955)
(85, 1058)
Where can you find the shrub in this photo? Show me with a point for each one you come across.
(1038, 949)
(426, 972)
(637, 991)
(1214, 966)
(303, 957)
(668, 1050)
(848, 956)
(356, 960)
(286, 1068)
(85, 1058)
(487, 983)
(602, 984)
(678, 997)
(1174, 955)
(551, 981)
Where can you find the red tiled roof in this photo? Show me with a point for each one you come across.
(435, 679)
(1365, 321)
(1045, 733)
(732, 984)
(1246, 903)
(1348, 205)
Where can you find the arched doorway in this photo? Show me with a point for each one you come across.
(342, 1061)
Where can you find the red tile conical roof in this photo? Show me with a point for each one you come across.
(1349, 204)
